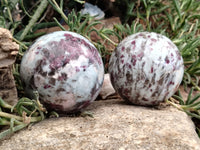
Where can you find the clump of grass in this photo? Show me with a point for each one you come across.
(21, 115)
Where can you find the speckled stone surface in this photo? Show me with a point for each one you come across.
(146, 68)
(65, 68)
(115, 126)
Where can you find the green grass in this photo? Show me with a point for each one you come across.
(176, 19)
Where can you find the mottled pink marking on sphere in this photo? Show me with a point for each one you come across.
(66, 70)
(146, 68)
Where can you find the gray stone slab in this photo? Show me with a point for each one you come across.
(115, 126)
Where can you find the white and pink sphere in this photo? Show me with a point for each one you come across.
(146, 68)
(65, 68)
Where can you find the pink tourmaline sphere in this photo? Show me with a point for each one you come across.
(66, 70)
(146, 68)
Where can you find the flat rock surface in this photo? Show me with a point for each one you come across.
(115, 126)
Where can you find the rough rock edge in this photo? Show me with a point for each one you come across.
(107, 88)
(8, 52)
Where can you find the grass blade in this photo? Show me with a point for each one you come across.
(177, 6)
